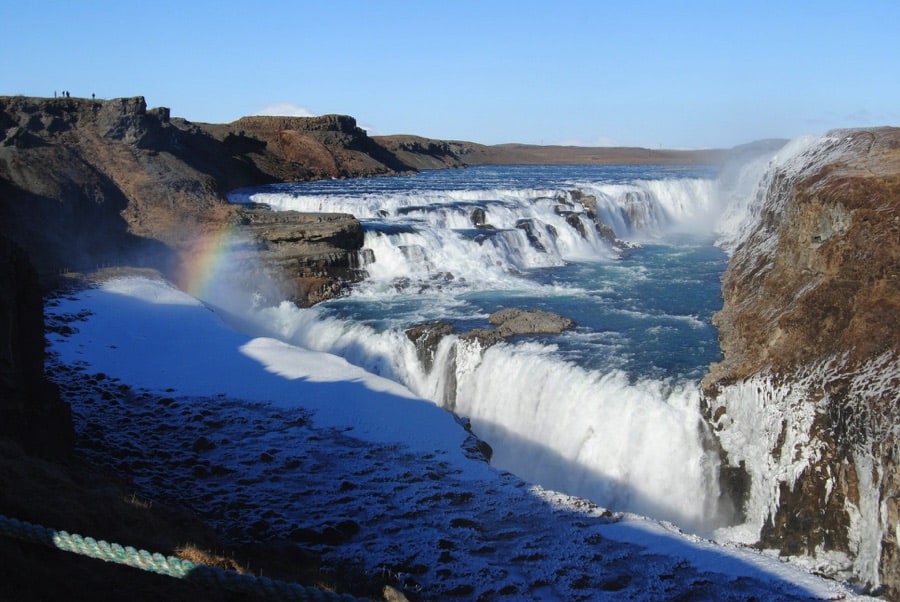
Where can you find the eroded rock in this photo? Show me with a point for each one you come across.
(427, 337)
(807, 398)
(511, 322)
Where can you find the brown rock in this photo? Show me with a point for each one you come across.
(512, 321)
(314, 255)
(809, 326)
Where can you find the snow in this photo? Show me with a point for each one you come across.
(271, 441)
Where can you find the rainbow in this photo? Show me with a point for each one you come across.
(205, 261)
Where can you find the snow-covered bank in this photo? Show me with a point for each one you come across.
(271, 441)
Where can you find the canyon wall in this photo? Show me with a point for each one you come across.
(806, 402)
(88, 183)
(31, 411)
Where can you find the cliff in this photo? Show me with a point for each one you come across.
(304, 148)
(31, 411)
(806, 402)
(87, 184)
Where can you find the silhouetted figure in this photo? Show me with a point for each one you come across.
(93, 96)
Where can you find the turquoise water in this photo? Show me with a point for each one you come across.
(648, 313)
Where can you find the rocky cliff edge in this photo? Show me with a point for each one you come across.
(92, 183)
(806, 402)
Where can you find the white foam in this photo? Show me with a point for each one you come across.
(630, 446)
(433, 235)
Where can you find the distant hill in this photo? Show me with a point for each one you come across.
(424, 153)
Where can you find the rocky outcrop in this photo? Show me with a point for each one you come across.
(426, 338)
(605, 231)
(508, 322)
(315, 254)
(105, 183)
(328, 146)
(512, 321)
(31, 411)
(423, 153)
(87, 184)
(806, 402)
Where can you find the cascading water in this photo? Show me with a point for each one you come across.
(607, 411)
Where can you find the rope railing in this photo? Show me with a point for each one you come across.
(166, 565)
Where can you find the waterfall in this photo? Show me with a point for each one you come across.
(577, 413)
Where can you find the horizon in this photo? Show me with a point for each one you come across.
(648, 75)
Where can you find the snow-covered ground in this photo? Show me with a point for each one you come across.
(271, 441)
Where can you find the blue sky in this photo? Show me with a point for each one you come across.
(688, 74)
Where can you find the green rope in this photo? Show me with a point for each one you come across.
(171, 566)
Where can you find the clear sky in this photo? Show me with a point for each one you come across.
(675, 74)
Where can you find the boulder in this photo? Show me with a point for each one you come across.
(479, 218)
(511, 322)
(589, 202)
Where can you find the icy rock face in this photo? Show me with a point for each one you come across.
(806, 402)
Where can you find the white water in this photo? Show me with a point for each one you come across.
(743, 188)
(626, 443)
(647, 208)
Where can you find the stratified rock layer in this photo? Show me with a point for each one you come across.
(313, 252)
(87, 184)
(806, 401)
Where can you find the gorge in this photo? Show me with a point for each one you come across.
(808, 328)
